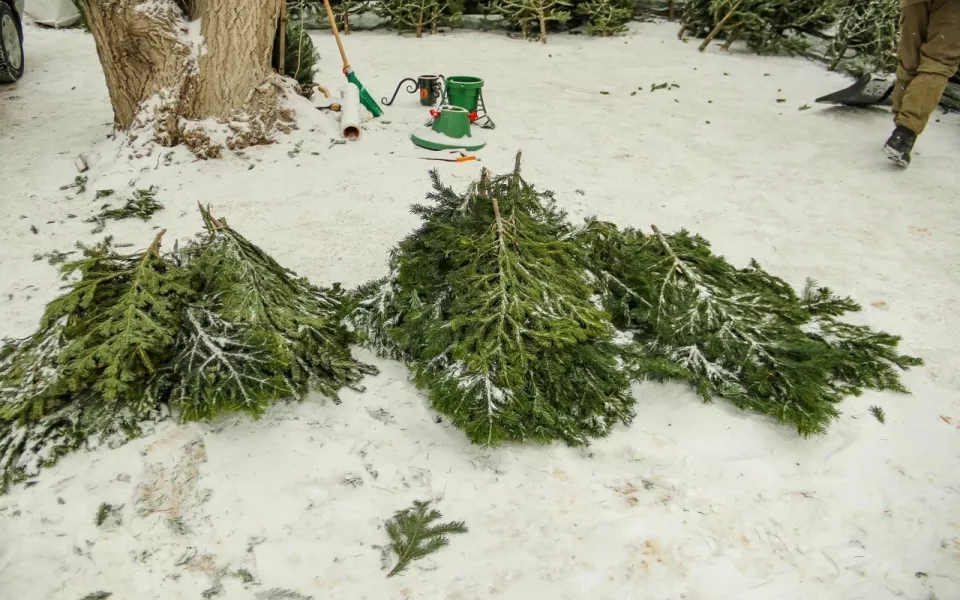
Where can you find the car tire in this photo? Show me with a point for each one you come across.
(11, 45)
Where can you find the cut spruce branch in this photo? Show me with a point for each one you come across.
(414, 534)
(85, 374)
(490, 309)
(213, 327)
(141, 206)
(740, 334)
(869, 30)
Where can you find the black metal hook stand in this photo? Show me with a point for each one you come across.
(431, 89)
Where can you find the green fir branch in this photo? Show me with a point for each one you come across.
(606, 17)
(878, 414)
(107, 512)
(414, 536)
(79, 184)
(141, 206)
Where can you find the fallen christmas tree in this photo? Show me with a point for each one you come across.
(740, 334)
(491, 311)
(213, 327)
(491, 304)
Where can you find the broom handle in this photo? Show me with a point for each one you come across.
(336, 35)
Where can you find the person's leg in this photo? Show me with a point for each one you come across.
(913, 33)
(938, 61)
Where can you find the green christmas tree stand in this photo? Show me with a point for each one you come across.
(450, 131)
(467, 93)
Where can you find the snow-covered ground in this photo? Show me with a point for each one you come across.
(694, 501)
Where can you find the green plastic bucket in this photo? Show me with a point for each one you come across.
(464, 91)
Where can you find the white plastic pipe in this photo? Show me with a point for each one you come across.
(350, 112)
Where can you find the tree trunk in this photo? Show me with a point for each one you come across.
(171, 64)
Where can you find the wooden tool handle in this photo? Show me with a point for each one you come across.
(336, 34)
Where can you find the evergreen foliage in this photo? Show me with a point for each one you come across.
(740, 334)
(488, 304)
(343, 11)
(418, 15)
(258, 334)
(85, 373)
(82, 23)
(413, 534)
(606, 17)
(141, 206)
(878, 414)
(533, 15)
(870, 29)
(767, 26)
(300, 55)
(216, 326)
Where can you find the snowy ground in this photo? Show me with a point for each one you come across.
(694, 502)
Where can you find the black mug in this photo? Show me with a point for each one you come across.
(430, 89)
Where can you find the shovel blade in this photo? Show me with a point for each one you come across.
(866, 91)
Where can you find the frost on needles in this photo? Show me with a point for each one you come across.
(740, 334)
(490, 307)
(213, 327)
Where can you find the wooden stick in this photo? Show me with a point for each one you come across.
(336, 35)
(716, 30)
(283, 37)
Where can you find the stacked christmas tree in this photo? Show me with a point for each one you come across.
(767, 26)
(869, 30)
(214, 327)
(420, 15)
(521, 327)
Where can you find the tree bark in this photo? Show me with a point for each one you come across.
(171, 66)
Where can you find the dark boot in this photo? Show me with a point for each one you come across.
(899, 146)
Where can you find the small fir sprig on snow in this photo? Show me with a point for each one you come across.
(413, 534)
(878, 414)
(141, 206)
